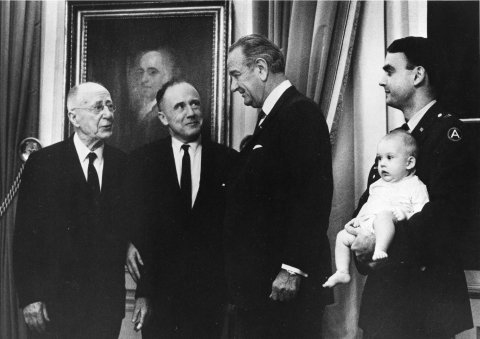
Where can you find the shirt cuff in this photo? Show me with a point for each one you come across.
(293, 270)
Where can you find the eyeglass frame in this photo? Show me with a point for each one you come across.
(97, 110)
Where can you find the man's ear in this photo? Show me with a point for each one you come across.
(262, 68)
(163, 118)
(411, 162)
(420, 75)
(72, 117)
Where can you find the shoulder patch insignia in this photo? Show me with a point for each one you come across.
(454, 134)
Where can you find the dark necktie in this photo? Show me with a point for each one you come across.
(261, 115)
(92, 180)
(186, 178)
(405, 127)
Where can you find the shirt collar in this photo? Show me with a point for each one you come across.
(273, 97)
(83, 150)
(177, 144)
(413, 122)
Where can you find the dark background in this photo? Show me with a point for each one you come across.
(455, 25)
(113, 44)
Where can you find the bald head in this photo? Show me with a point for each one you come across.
(90, 111)
(80, 94)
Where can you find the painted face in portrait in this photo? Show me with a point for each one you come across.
(92, 114)
(248, 81)
(154, 70)
(398, 81)
(180, 110)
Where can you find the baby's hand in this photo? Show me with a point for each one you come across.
(399, 214)
(352, 223)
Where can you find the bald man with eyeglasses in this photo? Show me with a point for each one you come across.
(69, 253)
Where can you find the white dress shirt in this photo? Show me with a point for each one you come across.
(273, 97)
(413, 122)
(195, 152)
(82, 152)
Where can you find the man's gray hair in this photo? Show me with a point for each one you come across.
(72, 97)
(256, 46)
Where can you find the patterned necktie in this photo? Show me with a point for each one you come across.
(261, 115)
(186, 178)
(92, 179)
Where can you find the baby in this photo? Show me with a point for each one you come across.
(397, 195)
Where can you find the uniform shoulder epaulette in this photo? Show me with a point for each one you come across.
(452, 125)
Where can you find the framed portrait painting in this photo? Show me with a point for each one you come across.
(133, 48)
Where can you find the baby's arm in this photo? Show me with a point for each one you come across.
(418, 200)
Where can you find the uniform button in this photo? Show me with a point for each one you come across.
(423, 268)
(439, 115)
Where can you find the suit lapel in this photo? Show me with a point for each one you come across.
(73, 168)
(205, 170)
(271, 116)
(419, 132)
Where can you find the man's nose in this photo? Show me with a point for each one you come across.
(190, 111)
(233, 85)
(382, 81)
(145, 77)
(106, 113)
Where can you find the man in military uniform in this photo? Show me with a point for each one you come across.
(421, 292)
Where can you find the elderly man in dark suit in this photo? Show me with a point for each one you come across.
(278, 203)
(176, 189)
(69, 253)
(421, 293)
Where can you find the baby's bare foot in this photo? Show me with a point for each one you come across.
(337, 278)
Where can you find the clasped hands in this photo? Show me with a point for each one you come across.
(364, 243)
(36, 316)
(285, 286)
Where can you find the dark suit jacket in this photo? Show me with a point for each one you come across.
(426, 291)
(278, 204)
(182, 252)
(67, 253)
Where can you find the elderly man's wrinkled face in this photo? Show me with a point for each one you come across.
(180, 111)
(153, 72)
(92, 115)
(245, 80)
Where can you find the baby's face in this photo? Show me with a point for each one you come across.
(392, 159)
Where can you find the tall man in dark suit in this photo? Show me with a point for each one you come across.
(422, 292)
(278, 203)
(176, 190)
(69, 253)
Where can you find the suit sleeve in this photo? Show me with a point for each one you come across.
(29, 261)
(307, 158)
(135, 221)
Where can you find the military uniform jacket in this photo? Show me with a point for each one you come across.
(425, 288)
(278, 204)
(67, 252)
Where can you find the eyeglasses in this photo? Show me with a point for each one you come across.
(98, 108)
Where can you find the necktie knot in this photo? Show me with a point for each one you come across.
(261, 115)
(185, 148)
(405, 127)
(91, 157)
